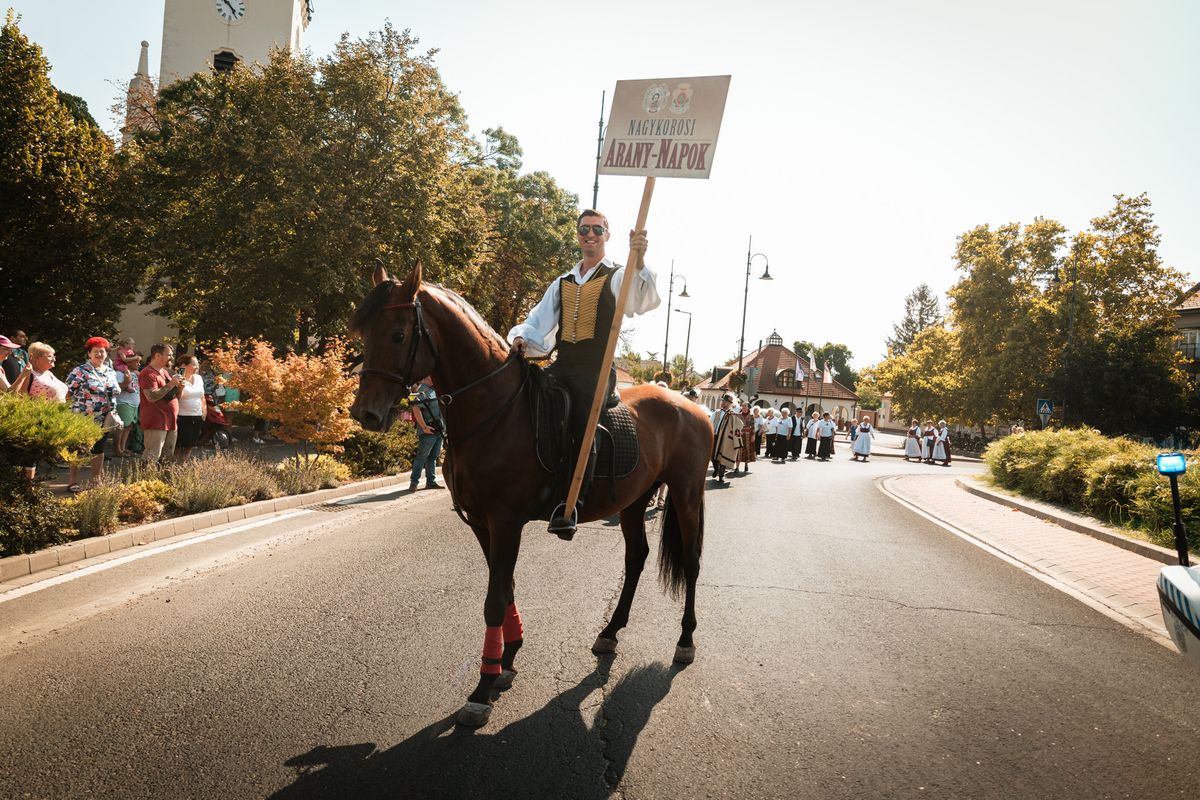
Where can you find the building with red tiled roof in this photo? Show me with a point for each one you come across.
(1187, 323)
(771, 382)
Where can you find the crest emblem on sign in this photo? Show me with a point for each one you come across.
(682, 100)
(656, 97)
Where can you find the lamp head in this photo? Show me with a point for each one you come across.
(1171, 463)
(766, 276)
(684, 292)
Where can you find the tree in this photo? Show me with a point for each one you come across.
(837, 355)
(926, 381)
(921, 310)
(530, 237)
(260, 198)
(870, 397)
(57, 282)
(308, 397)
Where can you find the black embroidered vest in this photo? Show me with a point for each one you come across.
(585, 319)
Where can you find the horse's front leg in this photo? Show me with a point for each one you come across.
(500, 618)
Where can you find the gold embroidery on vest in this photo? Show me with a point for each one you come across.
(579, 305)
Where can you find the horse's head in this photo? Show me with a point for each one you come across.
(397, 347)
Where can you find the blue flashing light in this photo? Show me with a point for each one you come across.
(1171, 464)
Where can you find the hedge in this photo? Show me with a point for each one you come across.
(1112, 479)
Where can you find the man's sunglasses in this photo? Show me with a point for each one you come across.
(596, 229)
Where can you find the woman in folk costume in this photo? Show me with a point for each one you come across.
(912, 445)
(810, 432)
(769, 428)
(783, 435)
(862, 445)
(746, 453)
(941, 444)
(929, 434)
(825, 430)
(727, 438)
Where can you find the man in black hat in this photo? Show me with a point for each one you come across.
(574, 316)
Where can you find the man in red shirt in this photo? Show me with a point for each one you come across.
(160, 405)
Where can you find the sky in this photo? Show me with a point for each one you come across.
(860, 138)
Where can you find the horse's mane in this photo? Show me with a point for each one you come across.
(378, 297)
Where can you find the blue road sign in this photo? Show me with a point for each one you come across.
(1045, 407)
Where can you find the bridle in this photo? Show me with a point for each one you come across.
(421, 334)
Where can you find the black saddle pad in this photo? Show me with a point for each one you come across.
(618, 452)
(616, 439)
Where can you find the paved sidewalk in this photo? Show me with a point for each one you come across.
(1121, 581)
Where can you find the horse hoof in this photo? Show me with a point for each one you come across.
(505, 680)
(604, 646)
(473, 715)
(684, 655)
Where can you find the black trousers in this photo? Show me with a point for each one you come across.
(581, 385)
(771, 444)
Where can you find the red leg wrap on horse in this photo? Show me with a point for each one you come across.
(513, 629)
(493, 649)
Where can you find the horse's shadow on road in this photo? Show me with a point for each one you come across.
(550, 753)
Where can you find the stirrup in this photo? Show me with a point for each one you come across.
(560, 525)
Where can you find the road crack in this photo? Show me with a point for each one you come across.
(900, 604)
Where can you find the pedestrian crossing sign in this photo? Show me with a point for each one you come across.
(1044, 409)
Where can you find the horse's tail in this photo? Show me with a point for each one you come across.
(672, 560)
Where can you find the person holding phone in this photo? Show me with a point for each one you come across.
(159, 410)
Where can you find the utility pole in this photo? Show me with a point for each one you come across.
(599, 146)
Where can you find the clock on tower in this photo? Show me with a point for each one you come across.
(200, 35)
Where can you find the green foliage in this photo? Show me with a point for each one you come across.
(838, 356)
(368, 453)
(53, 180)
(921, 310)
(96, 511)
(1086, 320)
(1110, 478)
(33, 430)
(227, 479)
(308, 473)
(32, 518)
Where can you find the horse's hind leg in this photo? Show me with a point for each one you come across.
(633, 525)
(689, 517)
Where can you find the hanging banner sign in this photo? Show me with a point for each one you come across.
(664, 127)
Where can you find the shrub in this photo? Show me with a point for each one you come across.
(369, 453)
(96, 511)
(144, 500)
(33, 430)
(1110, 478)
(309, 473)
(226, 479)
(32, 518)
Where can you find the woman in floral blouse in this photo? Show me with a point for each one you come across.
(92, 388)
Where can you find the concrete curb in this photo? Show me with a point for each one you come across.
(1072, 522)
(954, 456)
(13, 567)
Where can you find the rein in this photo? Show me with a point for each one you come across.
(422, 335)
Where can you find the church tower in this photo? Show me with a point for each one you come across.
(200, 35)
(139, 98)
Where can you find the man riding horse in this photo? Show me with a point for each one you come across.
(575, 315)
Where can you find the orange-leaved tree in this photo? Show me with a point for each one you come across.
(307, 397)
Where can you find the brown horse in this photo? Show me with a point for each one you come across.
(410, 330)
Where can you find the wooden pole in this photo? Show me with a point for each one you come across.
(632, 265)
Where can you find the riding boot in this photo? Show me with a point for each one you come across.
(562, 525)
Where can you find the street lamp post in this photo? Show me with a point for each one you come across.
(670, 291)
(1070, 321)
(766, 276)
(599, 146)
(687, 344)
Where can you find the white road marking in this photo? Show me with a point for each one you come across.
(13, 594)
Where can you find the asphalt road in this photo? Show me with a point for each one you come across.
(847, 648)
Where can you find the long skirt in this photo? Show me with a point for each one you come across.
(912, 448)
(810, 448)
(758, 442)
(781, 446)
(941, 452)
(797, 446)
(862, 445)
(771, 445)
(749, 451)
(929, 448)
(825, 448)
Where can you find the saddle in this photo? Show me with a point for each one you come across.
(615, 450)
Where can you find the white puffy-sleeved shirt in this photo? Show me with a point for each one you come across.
(540, 328)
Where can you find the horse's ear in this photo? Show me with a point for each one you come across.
(412, 284)
(380, 274)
